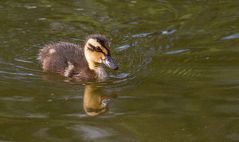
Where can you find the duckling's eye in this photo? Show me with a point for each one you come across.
(98, 49)
(93, 48)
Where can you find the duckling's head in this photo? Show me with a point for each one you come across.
(97, 52)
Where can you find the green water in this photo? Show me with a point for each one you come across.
(178, 79)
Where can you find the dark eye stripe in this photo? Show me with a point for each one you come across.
(108, 51)
(91, 47)
(97, 49)
(101, 42)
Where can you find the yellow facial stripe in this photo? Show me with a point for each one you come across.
(93, 42)
(97, 44)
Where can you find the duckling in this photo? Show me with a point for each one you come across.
(69, 60)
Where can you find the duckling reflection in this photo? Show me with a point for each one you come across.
(96, 101)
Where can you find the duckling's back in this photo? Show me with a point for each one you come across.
(66, 59)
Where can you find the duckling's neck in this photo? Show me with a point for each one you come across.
(99, 71)
(95, 67)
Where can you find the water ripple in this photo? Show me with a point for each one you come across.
(120, 75)
(123, 47)
(17, 98)
(177, 51)
(92, 132)
(140, 35)
(23, 61)
(17, 73)
(233, 36)
(169, 32)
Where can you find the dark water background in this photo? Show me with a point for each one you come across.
(178, 79)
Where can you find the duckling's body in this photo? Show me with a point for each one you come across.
(67, 59)
(70, 60)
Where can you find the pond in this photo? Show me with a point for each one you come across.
(178, 78)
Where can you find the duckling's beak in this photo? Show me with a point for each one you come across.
(109, 62)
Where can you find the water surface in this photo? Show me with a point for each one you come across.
(178, 78)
